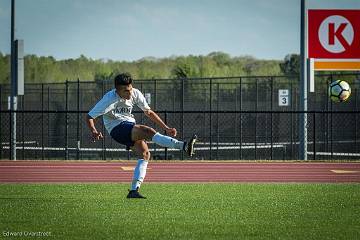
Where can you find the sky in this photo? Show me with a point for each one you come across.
(133, 29)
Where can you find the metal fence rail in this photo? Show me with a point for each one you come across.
(250, 135)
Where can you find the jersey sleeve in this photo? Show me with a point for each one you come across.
(101, 107)
(141, 101)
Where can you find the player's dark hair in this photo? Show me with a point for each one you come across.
(123, 79)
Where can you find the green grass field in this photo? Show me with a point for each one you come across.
(180, 211)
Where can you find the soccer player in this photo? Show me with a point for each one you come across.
(116, 107)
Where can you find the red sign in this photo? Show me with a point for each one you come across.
(334, 33)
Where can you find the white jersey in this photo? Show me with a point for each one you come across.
(115, 109)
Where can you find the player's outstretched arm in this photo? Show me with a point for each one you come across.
(91, 124)
(157, 120)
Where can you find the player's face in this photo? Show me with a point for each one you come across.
(124, 91)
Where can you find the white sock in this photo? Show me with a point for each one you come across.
(167, 141)
(139, 174)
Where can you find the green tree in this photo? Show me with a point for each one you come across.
(4, 68)
(291, 64)
(41, 69)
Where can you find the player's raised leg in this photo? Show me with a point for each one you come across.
(142, 150)
(140, 132)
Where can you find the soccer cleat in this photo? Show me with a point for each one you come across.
(135, 194)
(189, 146)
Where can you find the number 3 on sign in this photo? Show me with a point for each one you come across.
(283, 97)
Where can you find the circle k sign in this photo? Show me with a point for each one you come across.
(334, 34)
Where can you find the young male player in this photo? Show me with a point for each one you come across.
(116, 107)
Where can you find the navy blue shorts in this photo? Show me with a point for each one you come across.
(122, 133)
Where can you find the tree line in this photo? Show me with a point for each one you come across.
(41, 69)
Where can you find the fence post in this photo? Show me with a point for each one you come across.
(356, 122)
(66, 119)
(217, 122)
(256, 115)
(182, 112)
(142, 113)
(48, 116)
(78, 121)
(155, 93)
(1, 122)
(11, 135)
(210, 119)
(22, 125)
(42, 121)
(240, 124)
(13, 125)
(331, 124)
(174, 97)
(292, 120)
(271, 117)
(314, 136)
(332, 135)
(103, 128)
(166, 149)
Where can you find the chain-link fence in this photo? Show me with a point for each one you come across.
(235, 118)
(222, 135)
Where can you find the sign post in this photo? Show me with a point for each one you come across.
(303, 85)
(17, 79)
(13, 103)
